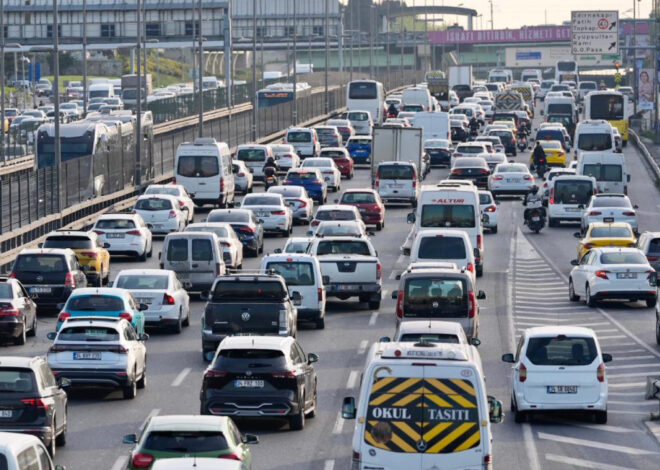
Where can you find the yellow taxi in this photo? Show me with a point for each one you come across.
(555, 154)
(605, 234)
(510, 123)
(92, 255)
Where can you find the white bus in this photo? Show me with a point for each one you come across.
(566, 70)
(367, 95)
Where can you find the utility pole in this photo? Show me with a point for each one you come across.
(254, 70)
(84, 52)
(227, 40)
(387, 38)
(294, 112)
(492, 26)
(371, 41)
(56, 94)
(200, 72)
(2, 79)
(635, 79)
(327, 55)
(138, 116)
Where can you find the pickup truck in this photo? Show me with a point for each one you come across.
(250, 304)
(350, 268)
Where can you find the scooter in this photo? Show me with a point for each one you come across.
(474, 133)
(522, 142)
(535, 215)
(270, 177)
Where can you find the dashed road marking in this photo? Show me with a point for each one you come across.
(594, 444)
(179, 378)
(329, 465)
(373, 318)
(339, 424)
(363, 346)
(582, 463)
(120, 463)
(352, 379)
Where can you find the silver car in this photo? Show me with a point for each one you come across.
(272, 210)
(298, 200)
(243, 177)
(510, 179)
(286, 156)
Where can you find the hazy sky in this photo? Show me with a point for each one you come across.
(517, 13)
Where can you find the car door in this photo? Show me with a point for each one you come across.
(52, 391)
(300, 364)
(580, 275)
(309, 373)
(27, 304)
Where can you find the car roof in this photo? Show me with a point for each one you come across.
(173, 199)
(16, 442)
(543, 331)
(336, 207)
(144, 272)
(18, 361)
(187, 423)
(256, 342)
(291, 257)
(360, 190)
(110, 291)
(47, 251)
(119, 216)
(432, 326)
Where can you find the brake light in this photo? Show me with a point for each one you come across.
(600, 372)
(36, 402)
(315, 223)
(595, 190)
(376, 183)
(89, 254)
(379, 271)
(479, 243)
(227, 244)
(472, 303)
(281, 212)
(231, 457)
(490, 209)
(172, 214)
(126, 316)
(241, 175)
(99, 232)
(70, 280)
(595, 212)
(527, 177)
(302, 203)
(456, 171)
(174, 180)
(168, 299)
(63, 316)
(629, 213)
(134, 232)
(284, 374)
(652, 258)
(589, 246)
(8, 311)
(12, 275)
(551, 199)
(133, 212)
(470, 267)
(142, 460)
(522, 373)
(246, 229)
(222, 184)
(399, 304)
(319, 291)
(121, 350)
(498, 178)
(483, 171)
(356, 461)
(602, 274)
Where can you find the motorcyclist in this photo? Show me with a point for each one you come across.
(392, 111)
(474, 125)
(538, 156)
(534, 208)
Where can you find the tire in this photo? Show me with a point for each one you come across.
(600, 417)
(520, 416)
(350, 176)
(480, 271)
(142, 383)
(312, 413)
(176, 329)
(552, 222)
(493, 230)
(252, 253)
(320, 323)
(650, 303)
(151, 252)
(186, 321)
(284, 233)
(591, 301)
(379, 226)
(374, 304)
(143, 256)
(22, 339)
(33, 331)
(571, 292)
(297, 421)
(130, 391)
(60, 440)
(657, 332)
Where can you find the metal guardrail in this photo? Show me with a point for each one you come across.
(655, 169)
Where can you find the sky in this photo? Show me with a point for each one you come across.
(516, 13)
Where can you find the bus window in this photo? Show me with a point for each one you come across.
(608, 107)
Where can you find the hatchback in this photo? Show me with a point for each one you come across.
(298, 200)
(341, 158)
(312, 180)
(18, 312)
(271, 210)
(126, 234)
(304, 140)
(161, 213)
(359, 147)
(15, 450)
(368, 202)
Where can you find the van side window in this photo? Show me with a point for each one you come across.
(28, 460)
(177, 250)
(202, 250)
(3, 463)
(520, 345)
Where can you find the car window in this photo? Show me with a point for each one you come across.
(95, 303)
(129, 334)
(358, 198)
(296, 247)
(117, 224)
(610, 232)
(392, 172)
(177, 249)
(239, 290)
(572, 192)
(43, 459)
(68, 241)
(448, 215)
(436, 297)
(335, 214)
(228, 217)
(299, 136)
(47, 376)
(16, 380)
(235, 433)
(262, 201)
(605, 172)
(294, 273)
(88, 334)
(28, 459)
(163, 190)
(202, 250)
(153, 204)
(484, 198)
(185, 442)
(295, 355)
(623, 257)
(441, 247)
(6, 291)
(43, 263)
(430, 338)
(561, 350)
(141, 282)
(654, 246)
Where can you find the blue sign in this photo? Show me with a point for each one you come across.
(37, 72)
(528, 55)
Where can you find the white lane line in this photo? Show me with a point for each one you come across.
(594, 444)
(606, 427)
(384, 293)
(530, 446)
(523, 317)
(179, 378)
(621, 358)
(531, 323)
(639, 374)
(120, 463)
(625, 347)
(626, 385)
(339, 424)
(637, 394)
(622, 412)
(151, 414)
(631, 366)
(601, 338)
(629, 403)
(363, 346)
(373, 318)
(352, 379)
(329, 465)
(589, 325)
(582, 463)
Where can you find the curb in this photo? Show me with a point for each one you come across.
(646, 154)
(654, 429)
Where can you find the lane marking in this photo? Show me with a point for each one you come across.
(632, 366)
(363, 346)
(622, 412)
(373, 318)
(627, 385)
(339, 424)
(638, 394)
(594, 444)
(179, 378)
(384, 293)
(629, 403)
(600, 338)
(151, 414)
(634, 357)
(582, 463)
(352, 379)
(329, 465)
(120, 463)
(530, 446)
(640, 374)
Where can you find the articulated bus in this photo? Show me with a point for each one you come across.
(611, 106)
(367, 95)
(277, 93)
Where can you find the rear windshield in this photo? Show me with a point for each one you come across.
(448, 215)
(162, 190)
(604, 172)
(115, 224)
(560, 108)
(303, 175)
(469, 149)
(332, 153)
(362, 91)
(440, 247)
(185, 442)
(177, 249)
(610, 232)
(654, 246)
(88, 334)
(68, 242)
(228, 217)
(359, 141)
(198, 166)
(334, 215)
(219, 231)
(623, 257)
(5, 291)
(561, 351)
(587, 86)
(338, 230)
(430, 338)
(15, 380)
(396, 172)
(252, 358)
(550, 135)
(202, 249)
(358, 116)
(95, 302)
(296, 247)
(249, 290)
(262, 201)
(299, 136)
(572, 192)
(294, 273)
(141, 282)
(595, 141)
(153, 204)
(484, 198)
(611, 202)
(251, 155)
(40, 263)
(358, 198)
(342, 247)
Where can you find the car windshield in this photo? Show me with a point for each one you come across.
(251, 155)
(153, 204)
(88, 334)
(116, 224)
(334, 214)
(95, 303)
(436, 297)
(447, 338)
(338, 230)
(228, 217)
(15, 380)
(572, 192)
(262, 201)
(248, 290)
(198, 166)
(485, 198)
(396, 172)
(623, 257)
(511, 169)
(299, 136)
(40, 263)
(595, 141)
(294, 273)
(296, 247)
(185, 442)
(448, 215)
(611, 202)
(441, 247)
(561, 350)
(610, 232)
(358, 116)
(142, 282)
(343, 247)
(72, 242)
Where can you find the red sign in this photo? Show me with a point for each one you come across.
(493, 36)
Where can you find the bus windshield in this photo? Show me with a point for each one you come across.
(608, 107)
(566, 66)
(363, 91)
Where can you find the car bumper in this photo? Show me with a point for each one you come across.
(348, 289)
(275, 225)
(172, 225)
(10, 327)
(309, 313)
(44, 433)
(370, 219)
(94, 377)
(213, 201)
(244, 405)
(607, 293)
(503, 190)
(524, 405)
(361, 158)
(164, 316)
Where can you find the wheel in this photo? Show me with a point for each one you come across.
(591, 301)
(571, 292)
(186, 321)
(60, 440)
(600, 417)
(297, 421)
(252, 253)
(130, 391)
(480, 271)
(23, 336)
(374, 304)
(311, 413)
(552, 222)
(650, 303)
(33, 329)
(320, 323)
(350, 176)
(379, 226)
(284, 233)
(143, 256)
(493, 229)
(176, 329)
(520, 416)
(142, 383)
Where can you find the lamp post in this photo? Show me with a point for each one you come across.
(327, 55)
(371, 41)
(294, 111)
(84, 53)
(254, 70)
(200, 73)
(138, 108)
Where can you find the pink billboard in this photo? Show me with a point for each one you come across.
(485, 36)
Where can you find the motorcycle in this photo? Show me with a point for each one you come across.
(270, 177)
(535, 215)
(522, 142)
(541, 169)
(474, 133)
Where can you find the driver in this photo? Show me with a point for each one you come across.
(539, 154)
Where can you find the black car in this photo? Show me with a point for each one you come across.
(49, 274)
(32, 401)
(439, 155)
(474, 169)
(250, 232)
(261, 376)
(18, 312)
(459, 132)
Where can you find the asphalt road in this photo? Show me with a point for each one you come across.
(525, 279)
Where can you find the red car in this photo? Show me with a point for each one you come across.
(342, 159)
(368, 203)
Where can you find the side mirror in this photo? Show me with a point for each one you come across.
(607, 357)
(130, 439)
(475, 341)
(398, 277)
(296, 297)
(410, 218)
(481, 295)
(628, 179)
(395, 294)
(348, 410)
(312, 358)
(40, 245)
(326, 280)
(577, 235)
(64, 383)
(144, 337)
(494, 410)
(311, 217)
(484, 218)
(250, 439)
(237, 203)
(277, 251)
(309, 233)
(261, 221)
(384, 339)
(52, 335)
(574, 262)
(508, 357)
(143, 307)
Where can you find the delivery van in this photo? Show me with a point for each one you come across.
(609, 170)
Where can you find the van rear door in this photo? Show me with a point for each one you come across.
(200, 175)
(204, 257)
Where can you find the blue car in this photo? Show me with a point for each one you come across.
(359, 147)
(103, 302)
(311, 179)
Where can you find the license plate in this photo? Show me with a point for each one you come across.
(262, 213)
(396, 186)
(156, 226)
(40, 290)
(115, 235)
(535, 219)
(562, 389)
(626, 275)
(573, 209)
(144, 300)
(342, 287)
(248, 383)
(86, 356)
(513, 180)
(362, 211)
(5, 413)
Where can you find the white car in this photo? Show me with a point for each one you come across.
(468, 149)
(161, 213)
(162, 292)
(232, 248)
(341, 212)
(558, 368)
(101, 351)
(328, 168)
(285, 156)
(606, 207)
(453, 99)
(549, 181)
(613, 273)
(243, 177)
(127, 234)
(178, 191)
(488, 206)
(336, 228)
(272, 210)
(298, 200)
(296, 245)
(510, 179)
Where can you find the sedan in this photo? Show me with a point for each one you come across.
(250, 232)
(510, 179)
(178, 191)
(232, 248)
(613, 273)
(344, 127)
(310, 179)
(333, 228)
(341, 158)
(298, 200)
(126, 234)
(474, 169)
(605, 234)
(272, 211)
(243, 178)
(160, 289)
(335, 212)
(368, 203)
(285, 156)
(18, 312)
(161, 213)
(493, 159)
(607, 207)
(296, 245)
(329, 136)
(328, 168)
(439, 151)
(488, 206)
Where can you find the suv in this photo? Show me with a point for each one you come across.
(32, 401)
(284, 384)
(649, 243)
(100, 351)
(92, 254)
(49, 274)
(18, 312)
(257, 304)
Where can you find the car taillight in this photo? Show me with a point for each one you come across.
(456, 154)
(63, 316)
(376, 183)
(241, 175)
(36, 402)
(222, 184)
(121, 350)
(457, 171)
(126, 316)
(172, 214)
(319, 292)
(488, 458)
(602, 274)
(12, 275)
(280, 212)
(483, 171)
(545, 185)
(379, 271)
(301, 202)
(133, 212)
(134, 232)
(480, 245)
(55, 349)
(522, 373)
(168, 299)
(492, 208)
(652, 258)
(230, 457)
(629, 213)
(70, 280)
(285, 181)
(528, 177)
(551, 199)
(210, 373)
(227, 244)
(589, 246)
(246, 229)
(595, 212)
(600, 372)
(472, 302)
(399, 304)
(99, 232)
(470, 267)
(174, 180)
(8, 311)
(142, 460)
(284, 374)
(182, 204)
(595, 190)
(89, 254)
(355, 464)
(315, 222)
(498, 178)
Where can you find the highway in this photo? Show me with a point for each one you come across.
(525, 279)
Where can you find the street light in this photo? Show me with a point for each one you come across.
(25, 88)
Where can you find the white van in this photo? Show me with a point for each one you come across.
(255, 156)
(561, 105)
(436, 125)
(397, 182)
(101, 90)
(210, 83)
(609, 170)
(449, 205)
(204, 168)
(444, 245)
(305, 140)
(568, 197)
(361, 121)
(593, 135)
(417, 96)
(195, 257)
(302, 274)
(422, 406)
